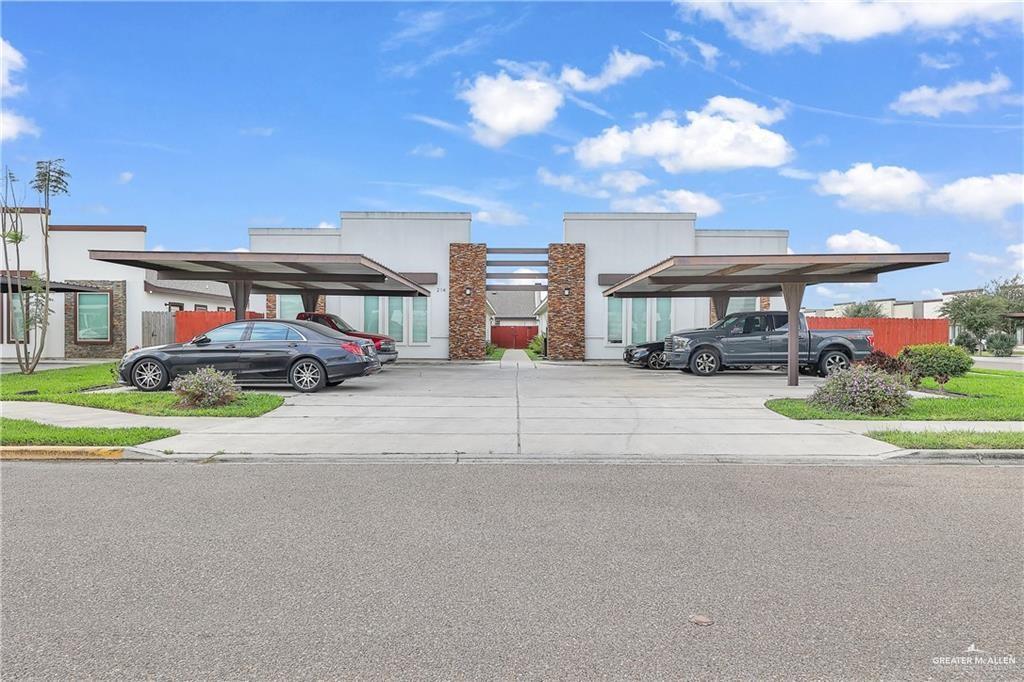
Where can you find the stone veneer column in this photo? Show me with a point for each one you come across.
(766, 303)
(117, 345)
(467, 313)
(566, 272)
(271, 305)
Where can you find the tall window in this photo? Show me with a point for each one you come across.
(614, 320)
(15, 319)
(638, 320)
(743, 304)
(93, 320)
(396, 318)
(371, 314)
(662, 318)
(289, 306)
(419, 320)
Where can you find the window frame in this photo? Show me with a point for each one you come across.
(200, 308)
(175, 306)
(384, 319)
(623, 327)
(650, 315)
(9, 327)
(110, 319)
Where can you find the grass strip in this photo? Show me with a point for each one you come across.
(28, 432)
(952, 440)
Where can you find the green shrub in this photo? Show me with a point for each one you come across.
(536, 344)
(205, 387)
(967, 340)
(1001, 344)
(862, 390)
(937, 360)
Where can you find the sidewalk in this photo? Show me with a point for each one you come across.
(516, 358)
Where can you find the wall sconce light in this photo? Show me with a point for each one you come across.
(469, 291)
(565, 291)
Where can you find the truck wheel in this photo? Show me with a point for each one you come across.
(833, 361)
(705, 362)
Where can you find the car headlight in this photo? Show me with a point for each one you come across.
(680, 343)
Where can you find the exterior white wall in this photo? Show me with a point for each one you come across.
(404, 242)
(626, 243)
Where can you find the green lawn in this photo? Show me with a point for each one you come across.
(65, 386)
(952, 440)
(989, 395)
(534, 355)
(27, 432)
(495, 353)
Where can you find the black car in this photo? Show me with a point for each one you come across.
(306, 355)
(650, 355)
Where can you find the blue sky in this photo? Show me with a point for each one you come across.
(857, 127)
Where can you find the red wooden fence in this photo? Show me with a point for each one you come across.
(189, 324)
(891, 333)
(513, 337)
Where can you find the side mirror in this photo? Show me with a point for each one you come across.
(201, 339)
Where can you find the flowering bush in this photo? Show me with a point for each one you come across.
(1001, 344)
(205, 387)
(883, 362)
(862, 390)
(937, 360)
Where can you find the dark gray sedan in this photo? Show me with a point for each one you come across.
(306, 355)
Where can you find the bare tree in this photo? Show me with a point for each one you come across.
(33, 302)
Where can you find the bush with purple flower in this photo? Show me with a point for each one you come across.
(862, 390)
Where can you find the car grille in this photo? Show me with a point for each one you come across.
(668, 344)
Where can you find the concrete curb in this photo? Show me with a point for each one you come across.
(58, 452)
(958, 456)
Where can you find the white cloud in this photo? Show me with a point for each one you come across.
(159, 247)
(666, 200)
(124, 177)
(570, 184)
(856, 241)
(708, 52)
(1016, 252)
(435, 123)
(797, 173)
(940, 62)
(503, 107)
(736, 109)
(257, 131)
(12, 125)
(626, 181)
(961, 97)
(11, 61)
(984, 198)
(240, 249)
(725, 135)
(416, 26)
(983, 258)
(619, 67)
(931, 293)
(867, 188)
(768, 26)
(324, 225)
(488, 210)
(673, 36)
(430, 151)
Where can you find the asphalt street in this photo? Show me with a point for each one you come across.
(284, 571)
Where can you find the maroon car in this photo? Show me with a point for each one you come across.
(385, 345)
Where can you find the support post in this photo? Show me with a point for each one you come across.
(309, 301)
(720, 302)
(793, 293)
(240, 291)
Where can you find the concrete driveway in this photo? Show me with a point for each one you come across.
(522, 410)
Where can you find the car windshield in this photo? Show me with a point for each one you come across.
(727, 320)
(341, 324)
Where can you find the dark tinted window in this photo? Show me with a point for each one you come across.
(227, 333)
(778, 320)
(754, 324)
(268, 331)
(318, 329)
(294, 335)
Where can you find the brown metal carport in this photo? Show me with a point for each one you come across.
(309, 275)
(721, 277)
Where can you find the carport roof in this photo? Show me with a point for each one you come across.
(336, 274)
(760, 275)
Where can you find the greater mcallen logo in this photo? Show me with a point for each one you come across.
(972, 655)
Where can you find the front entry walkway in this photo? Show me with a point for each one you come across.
(542, 411)
(514, 358)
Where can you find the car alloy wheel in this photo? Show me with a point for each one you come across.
(657, 361)
(148, 375)
(307, 375)
(705, 363)
(834, 362)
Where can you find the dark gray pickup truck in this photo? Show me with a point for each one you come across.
(761, 338)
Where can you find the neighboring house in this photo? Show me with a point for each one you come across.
(513, 308)
(105, 323)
